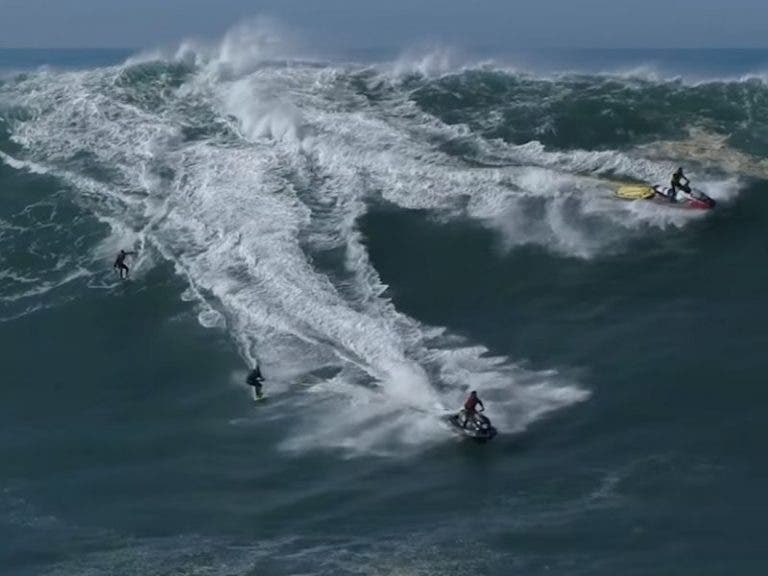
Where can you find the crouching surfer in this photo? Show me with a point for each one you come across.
(255, 380)
(120, 264)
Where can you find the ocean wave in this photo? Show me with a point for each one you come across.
(242, 167)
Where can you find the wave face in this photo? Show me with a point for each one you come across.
(598, 111)
(249, 172)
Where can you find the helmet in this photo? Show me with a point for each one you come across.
(680, 170)
(473, 393)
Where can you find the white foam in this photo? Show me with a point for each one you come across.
(244, 49)
(42, 287)
(211, 319)
(33, 167)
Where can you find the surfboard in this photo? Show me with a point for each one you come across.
(635, 192)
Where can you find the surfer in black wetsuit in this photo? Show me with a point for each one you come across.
(120, 265)
(677, 184)
(255, 380)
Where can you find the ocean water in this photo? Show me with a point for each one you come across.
(383, 236)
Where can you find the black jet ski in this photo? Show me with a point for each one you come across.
(477, 427)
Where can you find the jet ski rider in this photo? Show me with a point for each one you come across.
(677, 184)
(470, 406)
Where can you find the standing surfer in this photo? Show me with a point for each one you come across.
(120, 265)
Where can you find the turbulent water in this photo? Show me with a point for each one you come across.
(382, 238)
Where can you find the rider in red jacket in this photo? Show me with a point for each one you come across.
(470, 406)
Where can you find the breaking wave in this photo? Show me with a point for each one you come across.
(249, 168)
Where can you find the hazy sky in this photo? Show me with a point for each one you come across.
(344, 24)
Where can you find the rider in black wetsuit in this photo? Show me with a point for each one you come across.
(677, 184)
(120, 263)
(256, 380)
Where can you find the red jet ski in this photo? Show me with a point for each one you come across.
(692, 199)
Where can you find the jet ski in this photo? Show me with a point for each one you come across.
(693, 199)
(478, 427)
(663, 195)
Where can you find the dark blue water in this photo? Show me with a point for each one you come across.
(381, 242)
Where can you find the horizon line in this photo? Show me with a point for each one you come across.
(380, 47)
